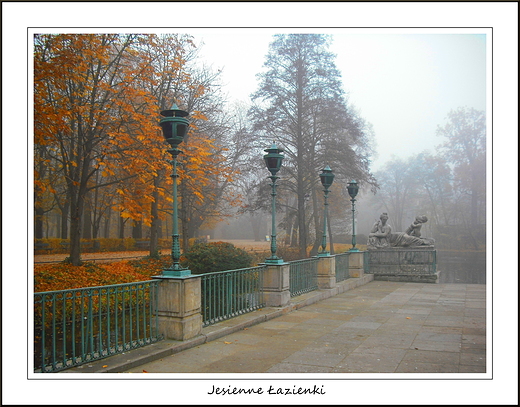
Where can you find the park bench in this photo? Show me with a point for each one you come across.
(42, 247)
(142, 244)
(85, 246)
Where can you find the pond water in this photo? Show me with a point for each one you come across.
(461, 267)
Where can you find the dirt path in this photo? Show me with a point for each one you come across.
(114, 256)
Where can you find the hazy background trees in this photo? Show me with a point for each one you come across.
(449, 187)
(300, 104)
(100, 163)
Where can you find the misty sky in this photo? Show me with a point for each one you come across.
(404, 82)
(368, 69)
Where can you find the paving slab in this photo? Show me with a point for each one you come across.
(378, 327)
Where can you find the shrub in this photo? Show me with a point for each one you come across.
(216, 256)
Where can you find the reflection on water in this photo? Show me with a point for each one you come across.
(461, 267)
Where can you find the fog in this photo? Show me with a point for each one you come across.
(402, 81)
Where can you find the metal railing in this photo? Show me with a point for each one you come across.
(303, 276)
(227, 294)
(342, 264)
(73, 327)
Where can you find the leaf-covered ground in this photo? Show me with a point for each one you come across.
(61, 276)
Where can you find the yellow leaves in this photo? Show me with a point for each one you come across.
(197, 115)
(75, 107)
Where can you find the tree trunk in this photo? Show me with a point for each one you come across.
(106, 228)
(87, 223)
(318, 224)
(331, 242)
(137, 230)
(121, 227)
(75, 232)
(255, 226)
(154, 229)
(38, 222)
(65, 219)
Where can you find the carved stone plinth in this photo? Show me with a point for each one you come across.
(411, 264)
(326, 272)
(276, 285)
(179, 307)
(356, 265)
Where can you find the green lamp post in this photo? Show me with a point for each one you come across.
(175, 125)
(273, 161)
(326, 177)
(353, 189)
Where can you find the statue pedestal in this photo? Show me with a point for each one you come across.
(405, 264)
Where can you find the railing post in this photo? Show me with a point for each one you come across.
(355, 265)
(179, 307)
(326, 272)
(276, 285)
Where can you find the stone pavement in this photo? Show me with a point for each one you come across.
(379, 327)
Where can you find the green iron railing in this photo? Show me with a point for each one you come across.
(342, 264)
(73, 327)
(303, 276)
(227, 294)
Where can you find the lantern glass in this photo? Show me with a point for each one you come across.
(353, 189)
(174, 125)
(327, 177)
(273, 160)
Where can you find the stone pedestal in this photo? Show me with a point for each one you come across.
(179, 307)
(356, 265)
(276, 285)
(410, 264)
(326, 272)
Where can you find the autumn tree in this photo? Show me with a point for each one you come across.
(97, 104)
(148, 201)
(301, 104)
(84, 111)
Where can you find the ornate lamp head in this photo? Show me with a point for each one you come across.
(327, 177)
(353, 189)
(174, 125)
(273, 159)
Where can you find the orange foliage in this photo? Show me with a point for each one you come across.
(54, 277)
(97, 99)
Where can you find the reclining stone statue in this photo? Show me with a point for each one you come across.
(381, 235)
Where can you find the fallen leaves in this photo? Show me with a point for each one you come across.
(62, 276)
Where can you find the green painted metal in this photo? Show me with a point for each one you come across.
(73, 327)
(342, 267)
(175, 125)
(327, 177)
(303, 276)
(273, 161)
(227, 294)
(353, 189)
